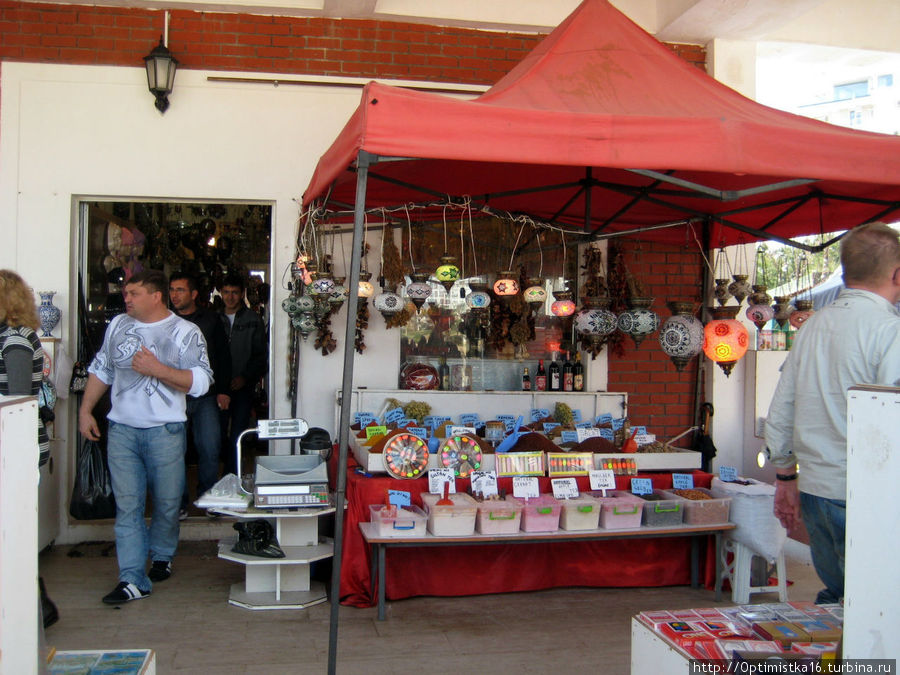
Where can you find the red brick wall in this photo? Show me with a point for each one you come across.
(86, 35)
(659, 397)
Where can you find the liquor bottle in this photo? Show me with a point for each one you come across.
(555, 382)
(568, 377)
(540, 377)
(526, 381)
(444, 374)
(578, 373)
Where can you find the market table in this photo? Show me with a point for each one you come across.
(381, 544)
(490, 568)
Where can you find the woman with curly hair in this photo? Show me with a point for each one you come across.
(22, 368)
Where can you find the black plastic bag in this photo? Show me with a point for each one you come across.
(257, 537)
(92, 496)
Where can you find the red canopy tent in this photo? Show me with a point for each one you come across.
(604, 128)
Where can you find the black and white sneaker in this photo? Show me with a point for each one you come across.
(124, 592)
(160, 570)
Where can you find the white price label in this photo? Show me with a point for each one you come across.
(564, 488)
(587, 432)
(437, 478)
(603, 479)
(525, 487)
(460, 430)
(289, 428)
(644, 439)
(484, 483)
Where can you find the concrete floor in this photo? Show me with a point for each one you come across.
(193, 629)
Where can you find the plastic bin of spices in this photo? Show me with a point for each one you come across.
(662, 511)
(579, 513)
(394, 521)
(540, 514)
(498, 516)
(445, 520)
(620, 510)
(700, 506)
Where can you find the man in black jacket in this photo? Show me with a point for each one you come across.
(203, 412)
(249, 359)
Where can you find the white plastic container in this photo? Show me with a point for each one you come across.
(622, 512)
(503, 516)
(703, 511)
(540, 514)
(581, 513)
(394, 521)
(457, 520)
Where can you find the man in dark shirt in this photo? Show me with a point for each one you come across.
(249, 360)
(203, 412)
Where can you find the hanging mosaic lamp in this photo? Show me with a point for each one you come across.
(419, 290)
(323, 284)
(595, 321)
(339, 293)
(681, 335)
(739, 288)
(388, 303)
(535, 294)
(563, 305)
(478, 300)
(760, 315)
(759, 296)
(725, 340)
(721, 291)
(639, 320)
(802, 313)
(365, 289)
(304, 323)
(783, 310)
(289, 305)
(506, 285)
(447, 272)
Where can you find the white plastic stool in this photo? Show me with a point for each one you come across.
(738, 572)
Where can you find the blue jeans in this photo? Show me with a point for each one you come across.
(203, 419)
(140, 459)
(826, 520)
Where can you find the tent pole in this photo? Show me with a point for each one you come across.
(364, 160)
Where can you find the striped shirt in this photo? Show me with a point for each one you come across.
(25, 339)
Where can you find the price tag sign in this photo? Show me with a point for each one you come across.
(485, 483)
(586, 432)
(525, 487)
(375, 431)
(728, 474)
(509, 424)
(393, 416)
(641, 486)
(363, 418)
(644, 439)
(605, 418)
(550, 426)
(564, 488)
(458, 430)
(569, 437)
(468, 419)
(506, 418)
(437, 478)
(584, 425)
(602, 479)
(399, 498)
(420, 432)
(576, 415)
(608, 434)
(430, 421)
(539, 414)
(618, 423)
(683, 481)
(406, 421)
(640, 430)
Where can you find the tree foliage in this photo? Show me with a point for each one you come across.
(778, 264)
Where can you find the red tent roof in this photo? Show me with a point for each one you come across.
(564, 132)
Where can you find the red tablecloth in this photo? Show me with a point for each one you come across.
(476, 570)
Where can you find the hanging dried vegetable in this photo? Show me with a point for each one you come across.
(392, 264)
(362, 322)
(617, 282)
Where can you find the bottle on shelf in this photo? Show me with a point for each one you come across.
(526, 381)
(568, 376)
(444, 374)
(540, 377)
(578, 373)
(555, 375)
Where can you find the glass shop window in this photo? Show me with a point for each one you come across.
(843, 92)
(206, 240)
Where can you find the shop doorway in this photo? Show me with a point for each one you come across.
(207, 240)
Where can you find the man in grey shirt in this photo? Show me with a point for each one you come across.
(853, 341)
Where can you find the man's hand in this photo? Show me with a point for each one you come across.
(223, 401)
(238, 382)
(87, 425)
(787, 503)
(145, 362)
